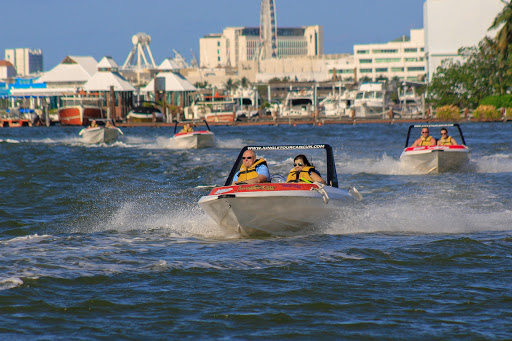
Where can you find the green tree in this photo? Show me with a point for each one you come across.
(504, 37)
(465, 82)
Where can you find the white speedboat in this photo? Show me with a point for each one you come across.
(436, 159)
(278, 208)
(194, 139)
(100, 134)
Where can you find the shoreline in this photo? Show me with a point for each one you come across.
(317, 122)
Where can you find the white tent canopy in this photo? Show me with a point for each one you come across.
(71, 69)
(106, 77)
(174, 82)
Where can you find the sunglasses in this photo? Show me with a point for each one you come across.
(298, 164)
(247, 158)
(424, 132)
(444, 133)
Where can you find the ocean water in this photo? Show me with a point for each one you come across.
(107, 242)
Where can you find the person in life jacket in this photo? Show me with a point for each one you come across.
(252, 171)
(446, 140)
(425, 139)
(186, 129)
(303, 171)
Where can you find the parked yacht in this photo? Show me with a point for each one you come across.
(298, 103)
(372, 100)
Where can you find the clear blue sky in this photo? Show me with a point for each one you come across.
(99, 28)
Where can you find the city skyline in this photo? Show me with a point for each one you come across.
(106, 28)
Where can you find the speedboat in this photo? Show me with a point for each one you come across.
(278, 208)
(100, 134)
(145, 112)
(436, 159)
(194, 139)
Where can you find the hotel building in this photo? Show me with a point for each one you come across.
(452, 24)
(25, 61)
(403, 58)
(238, 44)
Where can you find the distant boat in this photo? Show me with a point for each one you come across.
(144, 113)
(217, 108)
(298, 103)
(100, 134)
(372, 100)
(80, 110)
(193, 139)
(436, 159)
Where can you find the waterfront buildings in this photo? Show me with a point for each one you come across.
(237, 44)
(452, 24)
(403, 58)
(25, 61)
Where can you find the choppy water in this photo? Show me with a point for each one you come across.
(107, 242)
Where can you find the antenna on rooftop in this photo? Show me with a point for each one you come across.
(141, 43)
(193, 62)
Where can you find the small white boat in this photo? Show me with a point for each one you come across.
(278, 208)
(194, 139)
(101, 134)
(436, 159)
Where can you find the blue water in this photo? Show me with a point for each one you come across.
(108, 242)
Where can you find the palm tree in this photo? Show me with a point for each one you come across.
(504, 37)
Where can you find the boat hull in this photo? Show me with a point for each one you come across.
(144, 118)
(220, 117)
(275, 209)
(100, 135)
(195, 139)
(436, 159)
(79, 115)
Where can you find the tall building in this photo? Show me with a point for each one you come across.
(25, 61)
(452, 24)
(403, 58)
(236, 44)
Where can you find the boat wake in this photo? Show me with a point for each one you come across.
(418, 219)
(386, 165)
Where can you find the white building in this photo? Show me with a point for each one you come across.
(452, 24)
(25, 61)
(7, 70)
(403, 58)
(238, 44)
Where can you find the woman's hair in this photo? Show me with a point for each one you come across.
(304, 159)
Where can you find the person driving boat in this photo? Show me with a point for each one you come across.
(94, 124)
(425, 139)
(252, 171)
(446, 140)
(303, 171)
(186, 129)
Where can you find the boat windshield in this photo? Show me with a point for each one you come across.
(280, 160)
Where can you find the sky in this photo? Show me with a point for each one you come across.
(105, 28)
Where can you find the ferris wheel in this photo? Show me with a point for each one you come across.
(137, 56)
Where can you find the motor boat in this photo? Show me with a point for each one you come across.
(80, 110)
(101, 134)
(193, 139)
(436, 159)
(278, 208)
(145, 112)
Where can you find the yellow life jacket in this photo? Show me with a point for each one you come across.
(425, 141)
(247, 174)
(302, 176)
(445, 141)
